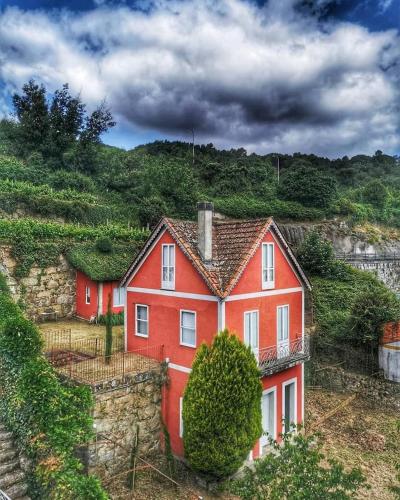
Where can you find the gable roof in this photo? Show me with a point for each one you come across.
(234, 243)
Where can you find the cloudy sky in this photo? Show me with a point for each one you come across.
(318, 76)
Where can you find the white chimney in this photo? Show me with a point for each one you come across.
(205, 211)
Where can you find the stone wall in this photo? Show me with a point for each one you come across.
(52, 288)
(375, 389)
(121, 407)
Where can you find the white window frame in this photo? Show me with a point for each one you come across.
(136, 321)
(121, 295)
(181, 327)
(267, 284)
(275, 392)
(88, 295)
(168, 285)
(284, 384)
(181, 417)
(258, 330)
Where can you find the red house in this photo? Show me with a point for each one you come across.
(193, 279)
(92, 296)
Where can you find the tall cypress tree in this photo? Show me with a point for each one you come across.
(109, 339)
(222, 407)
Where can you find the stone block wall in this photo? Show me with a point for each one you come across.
(121, 407)
(52, 288)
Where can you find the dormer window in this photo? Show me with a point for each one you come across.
(168, 267)
(268, 265)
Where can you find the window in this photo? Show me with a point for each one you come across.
(289, 405)
(251, 330)
(283, 331)
(142, 320)
(180, 417)
(268, 412)
(87, 294)
(188, 328)
(268, 265)
(118, 297)
(168, 267)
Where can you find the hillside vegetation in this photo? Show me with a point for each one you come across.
(54, 165)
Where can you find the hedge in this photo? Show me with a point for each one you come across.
(48, 419)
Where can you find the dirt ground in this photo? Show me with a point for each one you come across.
(80, 330)
(359, 435)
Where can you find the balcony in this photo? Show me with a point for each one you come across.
(277, 358)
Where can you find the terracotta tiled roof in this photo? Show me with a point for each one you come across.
(234, 243)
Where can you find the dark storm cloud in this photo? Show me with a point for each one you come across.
(266, 78)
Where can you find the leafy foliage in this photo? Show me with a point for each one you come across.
(295, 469)
(109, 335)
(316, 255)
(369, 312)
(221, 407)
(48, 418)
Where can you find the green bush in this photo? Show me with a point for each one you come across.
(375, 193)
(117, 319)
(104, 245)
(49, 419)
(370, 311)
(296, 469)
(316, 256)
(221, 407)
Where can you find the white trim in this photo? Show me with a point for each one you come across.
(284, 384)
(100, 299)
(273, 389)
(221, 315)
(258, 330)
(126, 320)
(147, 321)
(180, 417)
(172, 293)
(195, 328)
(86, 295)
(142, 260)
(179, 368)
(267, 284)
(302, 313)
(265, 293)
(168, 285)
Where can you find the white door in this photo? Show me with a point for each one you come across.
(289, 406)
(268, 415)
(251, 331)
(283, 331)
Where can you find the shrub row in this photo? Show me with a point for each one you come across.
(48, 419)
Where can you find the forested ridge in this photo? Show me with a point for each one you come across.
(53, 164)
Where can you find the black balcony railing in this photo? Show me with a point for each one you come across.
(276, 358)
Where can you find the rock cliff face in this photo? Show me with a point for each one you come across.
(49, 289)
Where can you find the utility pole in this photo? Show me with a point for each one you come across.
(193, 147)
(278, 169)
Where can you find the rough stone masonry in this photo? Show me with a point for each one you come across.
(123, 406)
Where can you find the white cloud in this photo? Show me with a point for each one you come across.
(266, 78)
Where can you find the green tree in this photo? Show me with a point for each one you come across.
(370, 311)
(375, 193)
(295, 470)
(316, 255)
(221, 407)
(307, 185)
(109, 335)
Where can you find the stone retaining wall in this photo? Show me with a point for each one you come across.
(375, 389)
(52, 288)
(121, 407)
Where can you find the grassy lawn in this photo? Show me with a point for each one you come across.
(80, 330)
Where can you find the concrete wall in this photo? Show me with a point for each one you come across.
(120, 407)
(389, 360)
(49, 288)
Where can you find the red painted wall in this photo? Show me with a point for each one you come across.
(250, 280)
(84, 310)
(164, 321)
